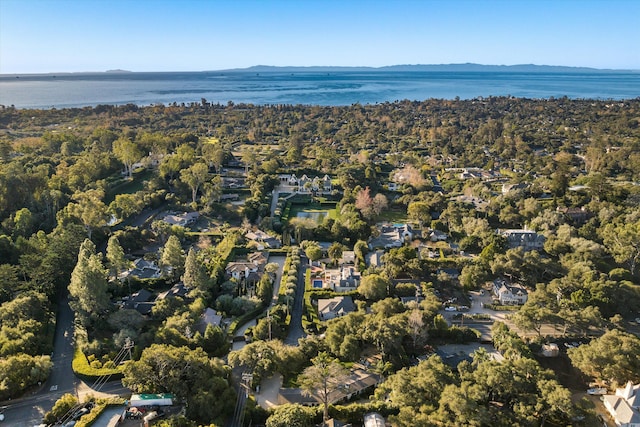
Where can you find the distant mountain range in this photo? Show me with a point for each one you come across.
(529, 68)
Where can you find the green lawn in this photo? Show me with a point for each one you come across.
(124, 186)
(315, 211)
(393, 216)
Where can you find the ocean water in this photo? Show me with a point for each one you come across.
(311, 88)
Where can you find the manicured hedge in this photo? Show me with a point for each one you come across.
(101, 405)
(241, 320)
(83, 370)
(498, 307)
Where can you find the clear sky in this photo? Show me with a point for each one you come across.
(193, 35)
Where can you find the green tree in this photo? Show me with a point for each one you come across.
(623, 241)
(312, 250)
(127, 152)
(322, 379)
(62, 406)
(172, 256)
(115, 256)
(126, 205)
(291, 416)
(335, 252)
(8, 281)
(213, 153)
(611, 357)
(194, 176)
(374, 287)
(416, 391)
(190, 375)
(88, 285)
(20, 371)
(195, 275)
(22, 223)
(419, 211)
(213, 190)
(258, 358)
(89, 209)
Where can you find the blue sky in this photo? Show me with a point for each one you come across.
(167, 35)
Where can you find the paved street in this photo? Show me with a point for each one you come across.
(296, 331)
(29, 410)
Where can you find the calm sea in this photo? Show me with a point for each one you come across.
(334, 88)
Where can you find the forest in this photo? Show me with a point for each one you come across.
(75, 182)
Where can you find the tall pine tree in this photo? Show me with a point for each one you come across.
(88, 285)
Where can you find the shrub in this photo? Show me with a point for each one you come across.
(87, 372)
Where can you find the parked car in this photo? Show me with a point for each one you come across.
(80, 413)
(597, 391)
(450, 308)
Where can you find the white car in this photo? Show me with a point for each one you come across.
(450, 308)
(597, 391)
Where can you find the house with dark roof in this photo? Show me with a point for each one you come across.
(526, 239)
(139, 301)
(177, 290)
(209, 317)
(575, 215)
(143, 269)
(330, 308)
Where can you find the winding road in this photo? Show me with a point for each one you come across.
(28, 410)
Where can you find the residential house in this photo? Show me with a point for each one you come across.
(359, 382)
(509, 294)
(472, 173)
(143, 269)
(184, 219)
(209, 317)
(177, 290)
(139, 301)
(438, 236)
(624, 405)
(391, 236)
(374, 258)
(575, 215)
(348, 257)
(250, 270)
(507, 188)
(453, 273)
(527, 239)
(330, 308)
(230, 197)
(342, 279)
(374, 419)
(306, 184)
(263, 239)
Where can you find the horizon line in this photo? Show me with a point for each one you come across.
(310, 67)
